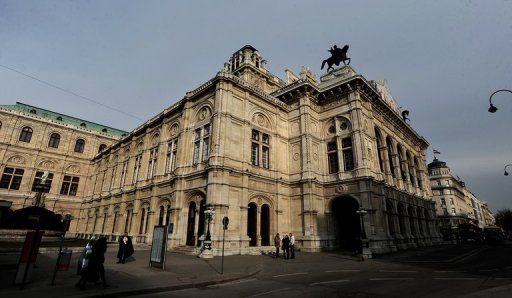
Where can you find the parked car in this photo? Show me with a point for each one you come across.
(494, 235)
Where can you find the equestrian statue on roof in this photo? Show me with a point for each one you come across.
(337, 55)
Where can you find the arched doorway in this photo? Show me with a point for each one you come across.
(191, 223)
(346, 222)
(252, 221)
(265, 225)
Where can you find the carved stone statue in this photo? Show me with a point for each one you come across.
(337, 55)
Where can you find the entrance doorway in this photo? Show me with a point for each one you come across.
(347, 225)
(191, 223)
(252, 221)
(265, 225)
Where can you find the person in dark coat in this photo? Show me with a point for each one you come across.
(286, 246)
(277, 244)
(98, 258)
(95, 269)
(125, 248)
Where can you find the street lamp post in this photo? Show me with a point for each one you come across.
(209, 213)
(362, 212)
(505, 169)
(492, 108)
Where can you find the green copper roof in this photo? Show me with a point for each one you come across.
(64, 119)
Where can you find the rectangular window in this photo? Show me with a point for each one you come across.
(69, 186)
(11, 178)
(264, 157)
(136, 168)
(170, 161)
(113, 177)
(332, 157)
(255, 154)
(443, 202)
(260, 149)
(451, 201)
(153, 157)
(37, 181)
(202, 144)
(123, 173)
(206, 149)
(348, 154)
(174, 154)
(197, 146)
(255, 135)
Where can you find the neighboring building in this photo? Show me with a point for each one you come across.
(487, 215)
(455, 203)
(300, 156)
(34, 140)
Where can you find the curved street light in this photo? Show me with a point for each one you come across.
(492, 108)
(505, 169)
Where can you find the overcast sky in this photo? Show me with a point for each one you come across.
(442, 61)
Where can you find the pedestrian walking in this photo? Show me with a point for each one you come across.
(85, 267)
(292, 246)
(98, 258)
(286, 246)
(277, 244)
(83, 260)
(125, 248)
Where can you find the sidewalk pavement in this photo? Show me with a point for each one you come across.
(182, 271)
(135, 277)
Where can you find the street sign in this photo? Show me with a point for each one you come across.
(225, 222)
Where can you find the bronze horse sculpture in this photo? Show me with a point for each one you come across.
(337, 55)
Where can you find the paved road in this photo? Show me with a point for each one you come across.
(421, 273)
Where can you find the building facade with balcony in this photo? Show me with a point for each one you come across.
(299, 156)
(455, 204)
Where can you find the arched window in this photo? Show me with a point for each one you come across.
(389, 145)
(102, 147)
(142, 218)
(54, 140)
(401, 162)
(410, 168)
(379, 152)
(161, 216)
(79, 146)
(26, 134)
(168, 216)
(418, 173)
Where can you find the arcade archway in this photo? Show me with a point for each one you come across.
(347, 224)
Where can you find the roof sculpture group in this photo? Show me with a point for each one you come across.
(337, 55)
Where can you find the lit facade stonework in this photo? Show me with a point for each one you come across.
(300, 156)
(34, 140)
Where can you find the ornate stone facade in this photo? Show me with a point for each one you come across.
(300, 156)
(34, 140)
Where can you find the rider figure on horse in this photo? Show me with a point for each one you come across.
(337, 55)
